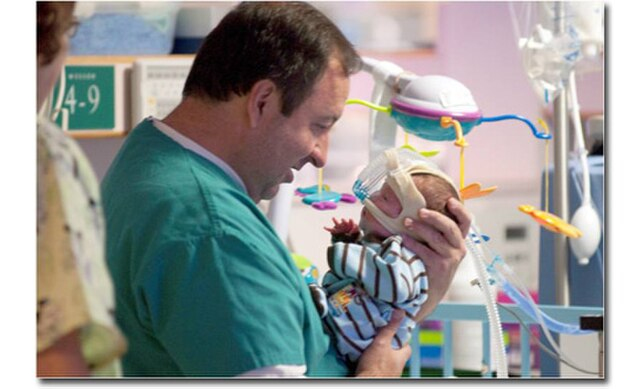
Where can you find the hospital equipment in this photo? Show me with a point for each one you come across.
(586, 283)
(499, 272)
(417, 104)
(558, 39)
(436, 108)
(551, 59)
(448, 313)
(156, 86)
(546, 219)
(431, 107)
(394, 167)
(428, 115)
(497, 340)
(103, 96)
(388, 81)
(585, 218)
(419, 107)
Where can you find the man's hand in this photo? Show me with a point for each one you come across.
(380, 359)
(441, 248)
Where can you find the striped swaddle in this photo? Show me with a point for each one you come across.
(367, 281)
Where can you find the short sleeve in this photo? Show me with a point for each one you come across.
(61, 306)
(74, 287)
(221, 306)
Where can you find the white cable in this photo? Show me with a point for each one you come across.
(514, 22)
(579, 138)
(585, 217)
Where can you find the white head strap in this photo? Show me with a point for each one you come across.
(400, 181)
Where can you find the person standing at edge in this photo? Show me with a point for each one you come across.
(77, 335)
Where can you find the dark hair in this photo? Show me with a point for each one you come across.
(287, 43)
(436, 191)
(54, 19)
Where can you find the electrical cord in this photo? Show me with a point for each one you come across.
(542, 346)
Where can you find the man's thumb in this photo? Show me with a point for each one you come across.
(396, 319)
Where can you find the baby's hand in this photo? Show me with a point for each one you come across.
(344, 230)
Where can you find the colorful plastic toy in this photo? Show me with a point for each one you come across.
(321, 197)
(551, 222)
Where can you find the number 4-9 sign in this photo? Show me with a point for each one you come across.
(88, 97)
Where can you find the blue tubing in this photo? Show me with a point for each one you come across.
(536, 133)
(552, 324)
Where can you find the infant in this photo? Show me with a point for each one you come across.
(371, 273)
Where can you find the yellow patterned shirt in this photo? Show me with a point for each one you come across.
(74, 290)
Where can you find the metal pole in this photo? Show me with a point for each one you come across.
(560, 189)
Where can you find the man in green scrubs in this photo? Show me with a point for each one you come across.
(204, 286)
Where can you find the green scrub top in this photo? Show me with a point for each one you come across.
(204, 286)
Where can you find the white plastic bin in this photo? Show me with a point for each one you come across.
(124, 28)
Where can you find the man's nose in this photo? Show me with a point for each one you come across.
(320, 151)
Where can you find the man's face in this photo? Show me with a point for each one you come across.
(292, 142)
(387, 201)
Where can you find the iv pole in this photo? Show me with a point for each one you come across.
(560, 179)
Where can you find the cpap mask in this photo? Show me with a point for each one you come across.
(395, 167)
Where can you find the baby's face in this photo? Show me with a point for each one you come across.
(387, 201)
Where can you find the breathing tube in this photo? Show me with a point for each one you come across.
(530, 309)
(495, 327)
(504, 276)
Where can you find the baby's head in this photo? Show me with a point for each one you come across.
(435, 190)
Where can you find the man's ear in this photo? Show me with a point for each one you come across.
(263, 101)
